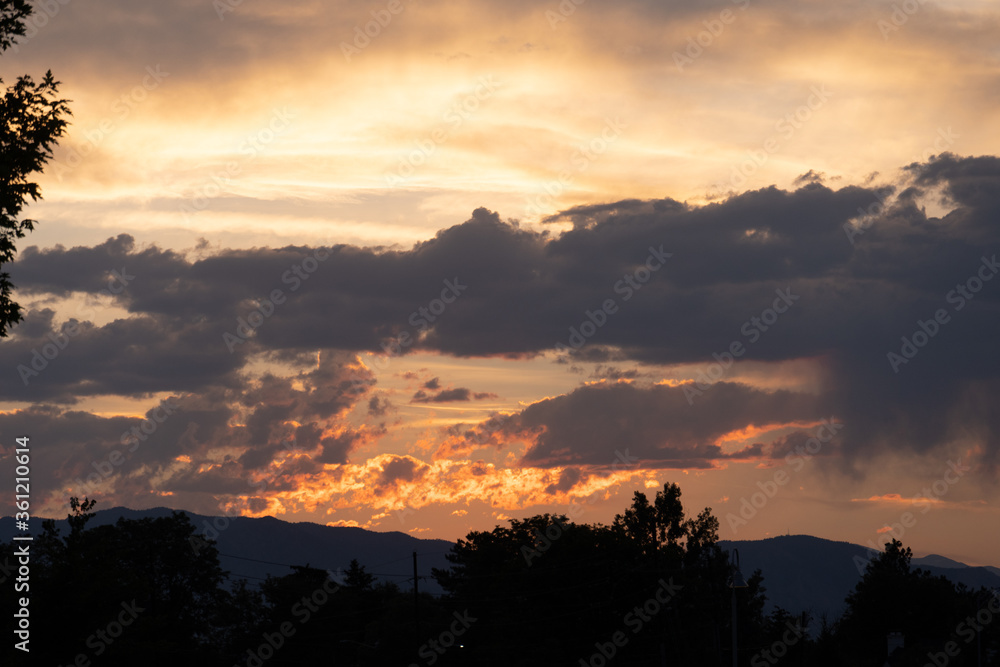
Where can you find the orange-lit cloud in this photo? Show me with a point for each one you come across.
(392, 483)
(922, 501)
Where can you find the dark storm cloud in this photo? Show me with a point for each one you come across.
(378, 406)
(593, 424)
(451, 395)
(614, 373)
(588, 215)
(107, 268)
(525, 289)
(61, 362)
(269, 418)
(489, 287)
(971, 183)
(227, 479)
(336, 448)
(399, 469)
(810, 176)
(568, 478)
(291, 413)
(325, 393)
(83, 450)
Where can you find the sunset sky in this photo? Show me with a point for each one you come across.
(427, 266)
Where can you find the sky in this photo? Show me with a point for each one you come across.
(426, 267)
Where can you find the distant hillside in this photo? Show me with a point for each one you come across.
(247, 542)
(805, 573)
(933, 560)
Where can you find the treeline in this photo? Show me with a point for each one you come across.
(653, 588)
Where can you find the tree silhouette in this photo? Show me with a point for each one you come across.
(141, 574)
(893, 597)
(549, 591)
(651, 588)
(357, 578)
(32, 118)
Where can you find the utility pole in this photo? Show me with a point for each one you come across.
(733, 623)
(416, 605)
(736, 580)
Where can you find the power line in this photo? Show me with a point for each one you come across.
(290, 565)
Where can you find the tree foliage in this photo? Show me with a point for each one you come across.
(561, 589)
(894, 597)
(651, 588)
(32, 118)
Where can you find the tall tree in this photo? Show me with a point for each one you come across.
(32, 118)
(357, 577)
(549, 591)
(893, 597)
(141, 574)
